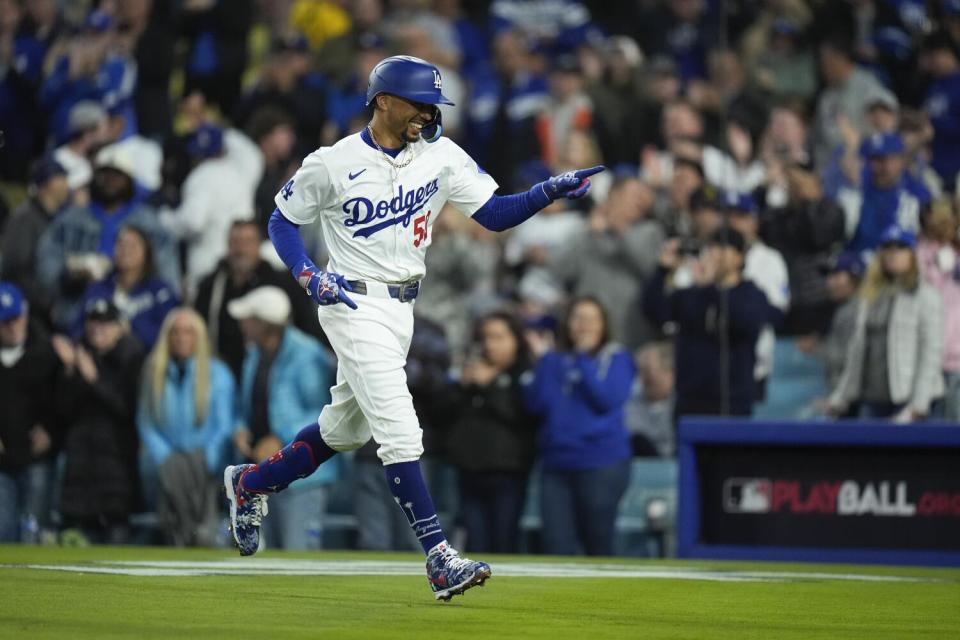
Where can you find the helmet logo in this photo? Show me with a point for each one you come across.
(437, 84)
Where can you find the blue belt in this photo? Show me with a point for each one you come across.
(403, 292)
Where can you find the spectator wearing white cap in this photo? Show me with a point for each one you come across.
(285, 383)
(87, 130)
(146, 153)
(218, 190)
(77, 248)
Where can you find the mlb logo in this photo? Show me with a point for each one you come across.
(747, 495)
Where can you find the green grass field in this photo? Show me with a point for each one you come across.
(103, 592)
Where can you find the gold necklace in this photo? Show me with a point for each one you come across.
(396, 165)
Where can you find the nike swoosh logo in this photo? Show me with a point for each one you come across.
(353, 176)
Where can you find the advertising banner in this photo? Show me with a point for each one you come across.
(876, 493)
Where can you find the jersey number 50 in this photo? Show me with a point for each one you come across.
(420, 230)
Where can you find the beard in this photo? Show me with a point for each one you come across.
(110, 195)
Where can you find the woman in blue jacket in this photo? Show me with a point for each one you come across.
(185, 417)
(579, 394)
(143, 297)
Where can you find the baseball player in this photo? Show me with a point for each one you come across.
(377, 194)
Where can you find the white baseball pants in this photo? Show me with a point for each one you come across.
(371, 396)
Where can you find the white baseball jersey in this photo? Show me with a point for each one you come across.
(377, 220)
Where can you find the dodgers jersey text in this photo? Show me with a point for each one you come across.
(376, 220)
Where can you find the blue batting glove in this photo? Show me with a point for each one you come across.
(325, 288)
(572, 184)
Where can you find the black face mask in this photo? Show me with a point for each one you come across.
(110, 196)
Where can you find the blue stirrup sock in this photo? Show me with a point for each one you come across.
(297, 460)
(410, 492)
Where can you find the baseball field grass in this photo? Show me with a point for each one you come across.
(136, 592)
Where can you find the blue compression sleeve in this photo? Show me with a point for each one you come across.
(500, 213)
(298, 459)
(286, 239)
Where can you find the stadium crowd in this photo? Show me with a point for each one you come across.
(776, 236)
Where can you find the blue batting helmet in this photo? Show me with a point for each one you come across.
(408, 77)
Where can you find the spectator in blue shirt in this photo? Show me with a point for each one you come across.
(29, 31)
(684, 30)
(474, 48)
(95, 68)
(506, 101)
(580, 393)
(942, 61)
(216, 33)
(143, 298)
(885, 197)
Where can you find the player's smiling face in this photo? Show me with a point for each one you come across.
(407, 118)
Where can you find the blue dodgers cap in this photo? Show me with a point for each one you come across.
(98, 21)
(12, 303)
(882, 144)
(895, 235)
(206, 141)
(44, 169)
(893, 42)
(734, 201)
(408, 77)
(848, 261)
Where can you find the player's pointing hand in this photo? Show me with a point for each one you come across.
(572, 184)
(325, 288)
